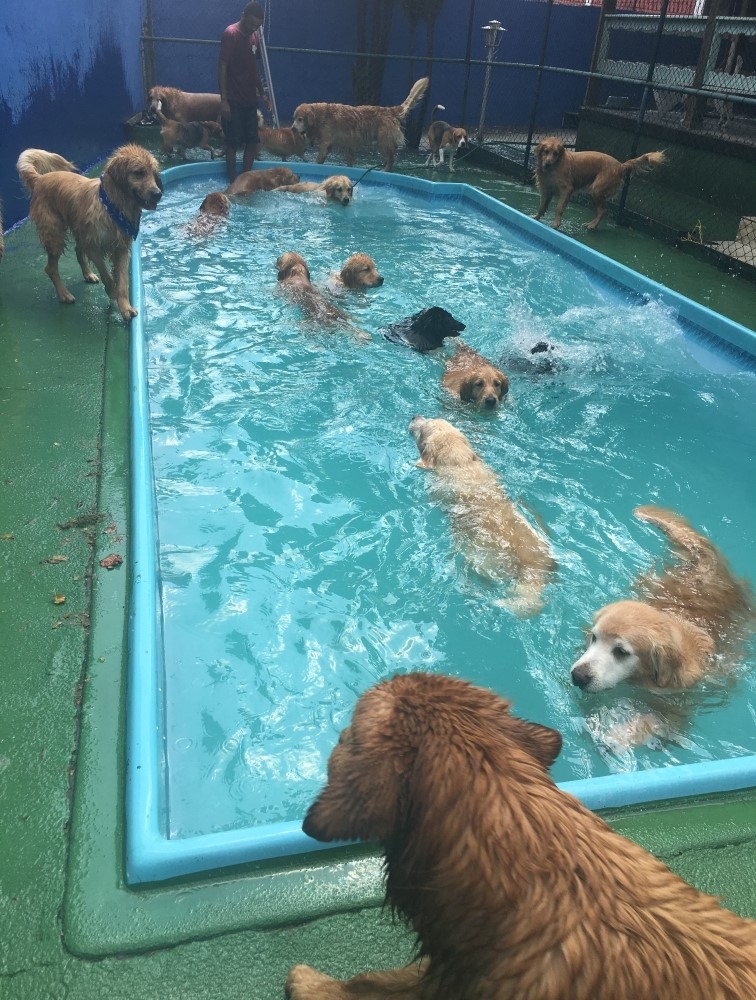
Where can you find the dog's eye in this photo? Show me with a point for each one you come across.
(620, 652)
(478, 382)
(591, 638)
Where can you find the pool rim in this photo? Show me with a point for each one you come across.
(153, 856)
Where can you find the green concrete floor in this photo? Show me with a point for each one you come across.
(68, 926)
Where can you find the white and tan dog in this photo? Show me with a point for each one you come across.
(441, 136)
(492, 533)
(337, 188)
(696, 608)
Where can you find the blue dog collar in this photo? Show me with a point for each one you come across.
(120, 220)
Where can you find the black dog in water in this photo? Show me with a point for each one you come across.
(425, 331)
(541, 359)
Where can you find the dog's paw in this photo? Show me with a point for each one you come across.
(306, 983)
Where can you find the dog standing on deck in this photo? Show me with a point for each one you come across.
(441, 136)
(357, 129)
(563, 172)
(183, 106)
(103, 214)
(180, 136)
(513, 888)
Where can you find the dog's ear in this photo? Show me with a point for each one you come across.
(680, 661)
(466, 389)
(539, 742)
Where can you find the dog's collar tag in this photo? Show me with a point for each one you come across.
(131, 230)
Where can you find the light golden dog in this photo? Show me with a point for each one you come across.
(184, 106)
(441, 136)
(213, 212)
(359, 271)
(473, 379)
(561, 171)
(693, 610)
(103, 214)
(492, 533)
(337, 188)
(513, 888)
(180, 136)
(357, 129)
(266, 179)
(294, 277)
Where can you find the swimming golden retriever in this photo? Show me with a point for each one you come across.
(337, 188)
(513, 888)
(103, 214)
(184, 106)
(294, 278)
(693, 610)
(357, 129)
(492, 533)
(561, 171)
(358, 271)
(473, 379)
(213, 212)
(265, 179)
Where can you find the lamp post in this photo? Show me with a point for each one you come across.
(492, 33)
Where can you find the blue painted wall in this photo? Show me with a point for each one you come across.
(70, 74)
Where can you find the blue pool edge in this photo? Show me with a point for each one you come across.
(150, 854)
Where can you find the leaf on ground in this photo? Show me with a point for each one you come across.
(111, 561)
(59, 598)
(54, 559)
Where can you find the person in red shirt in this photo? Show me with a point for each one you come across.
(240, 86)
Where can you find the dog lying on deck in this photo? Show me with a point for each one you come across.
(473, 379)
(512, 887)
(668, 640)
(294, 277)
(183, 106)
(102, 214)
(441, 136)
(425, 330)
(266, 179)
(561, 171)
(357, 129)
(180, 136)
(491, 532)
(337, 188)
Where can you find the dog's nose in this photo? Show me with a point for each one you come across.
(581, 676)
(380, 279)
(491, 401)
(344, 201)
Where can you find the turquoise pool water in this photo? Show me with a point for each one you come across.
(300, 556)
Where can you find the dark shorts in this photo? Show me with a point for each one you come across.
(240, 128)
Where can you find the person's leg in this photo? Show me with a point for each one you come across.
(231, 162)
(250, 155)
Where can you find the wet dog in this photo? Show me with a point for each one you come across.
(283, 142)
(425, 330)
(184, 106)
(359, 271)
(473, 379)
(213, 212)
(563, 172)
(265, 179)
(441, 136)
(492, 533)
(694, 609)
(337, 188)
(180, 136)
(102, 214)
(294, 278)
(512, 888)
(357, 129)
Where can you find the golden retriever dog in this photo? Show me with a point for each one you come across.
(357, 129)
(441, 136)
(473, 379)
(102, 214)
(337, 188)
(266, 179)
(513, 888)
(693, 610)
(184, 106)
(561, 171)
(213, 212)
(180, 136)
(359, 271)
(295, 280)
(492, 533)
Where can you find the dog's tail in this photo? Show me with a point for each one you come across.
(32, 163)
(413, 98)
(644, 164)
(679, 531)
(438, 107)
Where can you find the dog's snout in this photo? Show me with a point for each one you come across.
(581, 676)
(380, 279)
(491, 401)
(345, 200)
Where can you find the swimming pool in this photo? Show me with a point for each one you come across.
(253, 634)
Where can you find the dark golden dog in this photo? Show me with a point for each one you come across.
(561, 171)
(694, 609)
(359, 271)
(213, 212)
(441, 136)
(512, 887)
(180, 136)
(184, 106)
(337, 188)
(357, 129)
(266, 179)
(283, 142)
(490, 530)
(474, 379)
(294, 277)
(103, 214)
